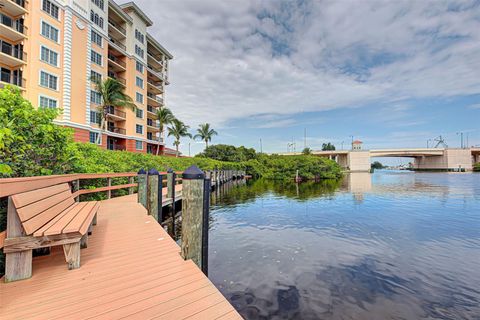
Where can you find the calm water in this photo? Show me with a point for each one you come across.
(392, 245)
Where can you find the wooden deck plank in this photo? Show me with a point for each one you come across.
(131, 268)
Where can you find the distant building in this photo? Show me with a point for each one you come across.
(357, 145)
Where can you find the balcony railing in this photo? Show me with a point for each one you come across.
(154, 71)
(119, 79)
(116, 26)
(116, 112)
(12, 79)
(151, 109)
(21, 3)
(11, 50)
(117, 130)
(12, 23)
(118, 44)
(111, 57)
(118, 147)
(150, 123)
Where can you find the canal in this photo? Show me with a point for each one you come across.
(388, 245)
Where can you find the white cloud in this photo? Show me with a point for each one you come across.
(244, 58)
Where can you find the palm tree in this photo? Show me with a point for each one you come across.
(112, 95)
(205, 133)
(165, 117)
(178, 130)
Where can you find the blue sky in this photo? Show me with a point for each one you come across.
(392, 74)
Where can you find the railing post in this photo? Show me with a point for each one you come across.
(142, 187)
(76, 187)
(109, 184)
(194, 215)
(152, 193)
(130, 181)
(171, 182)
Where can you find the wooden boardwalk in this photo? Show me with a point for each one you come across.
(131, 269)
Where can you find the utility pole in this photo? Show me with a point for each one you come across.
(342, 145)
(352, 140)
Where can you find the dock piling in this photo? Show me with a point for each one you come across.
(142, 187)
(153, 193)
(193, 216)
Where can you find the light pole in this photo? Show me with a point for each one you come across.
(428, 142)
(352, 140)
(189, 154)
(342, 145)
(261, 147)
(461, 139)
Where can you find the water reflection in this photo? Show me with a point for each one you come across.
(382, 246)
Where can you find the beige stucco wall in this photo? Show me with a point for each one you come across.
(359, 161)
(451, 160)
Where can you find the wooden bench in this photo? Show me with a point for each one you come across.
(42, 218)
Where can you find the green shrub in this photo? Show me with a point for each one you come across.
(476, 167)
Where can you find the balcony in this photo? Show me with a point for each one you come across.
(152, 73)
(11, 55)
(116, 114)
(152, 111)
(154, 61)
(115, 64)
(14, 7)
(10, 79)
(152, 100)
(154, 87)
(116, 29)
(152, 126)
(12, 29)
(122, 81)
(116, 130)
(117, 43)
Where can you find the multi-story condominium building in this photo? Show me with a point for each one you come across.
(52, 49)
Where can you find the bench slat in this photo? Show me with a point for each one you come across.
(86, 223)
(76, 223)
(23, 199)
(40, 232)
(65, 220)
(27, 212)
(43, 218)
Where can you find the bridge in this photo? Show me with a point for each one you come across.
(445, 159)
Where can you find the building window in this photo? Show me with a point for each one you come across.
(97, 39)
(95, 97)
(139, 97)
(99, 3)
(139, 51)
(50, 8)
(95, 18)
(139, 113)
(49, 31)
(138, 145)
(139, 36)
(95, 117)
(49, 56)
(48, 80)
(96, 57)
(46, 102)
(139, 82)
(139, 66)
(95, 76)
(139, 128)
(94, 136)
